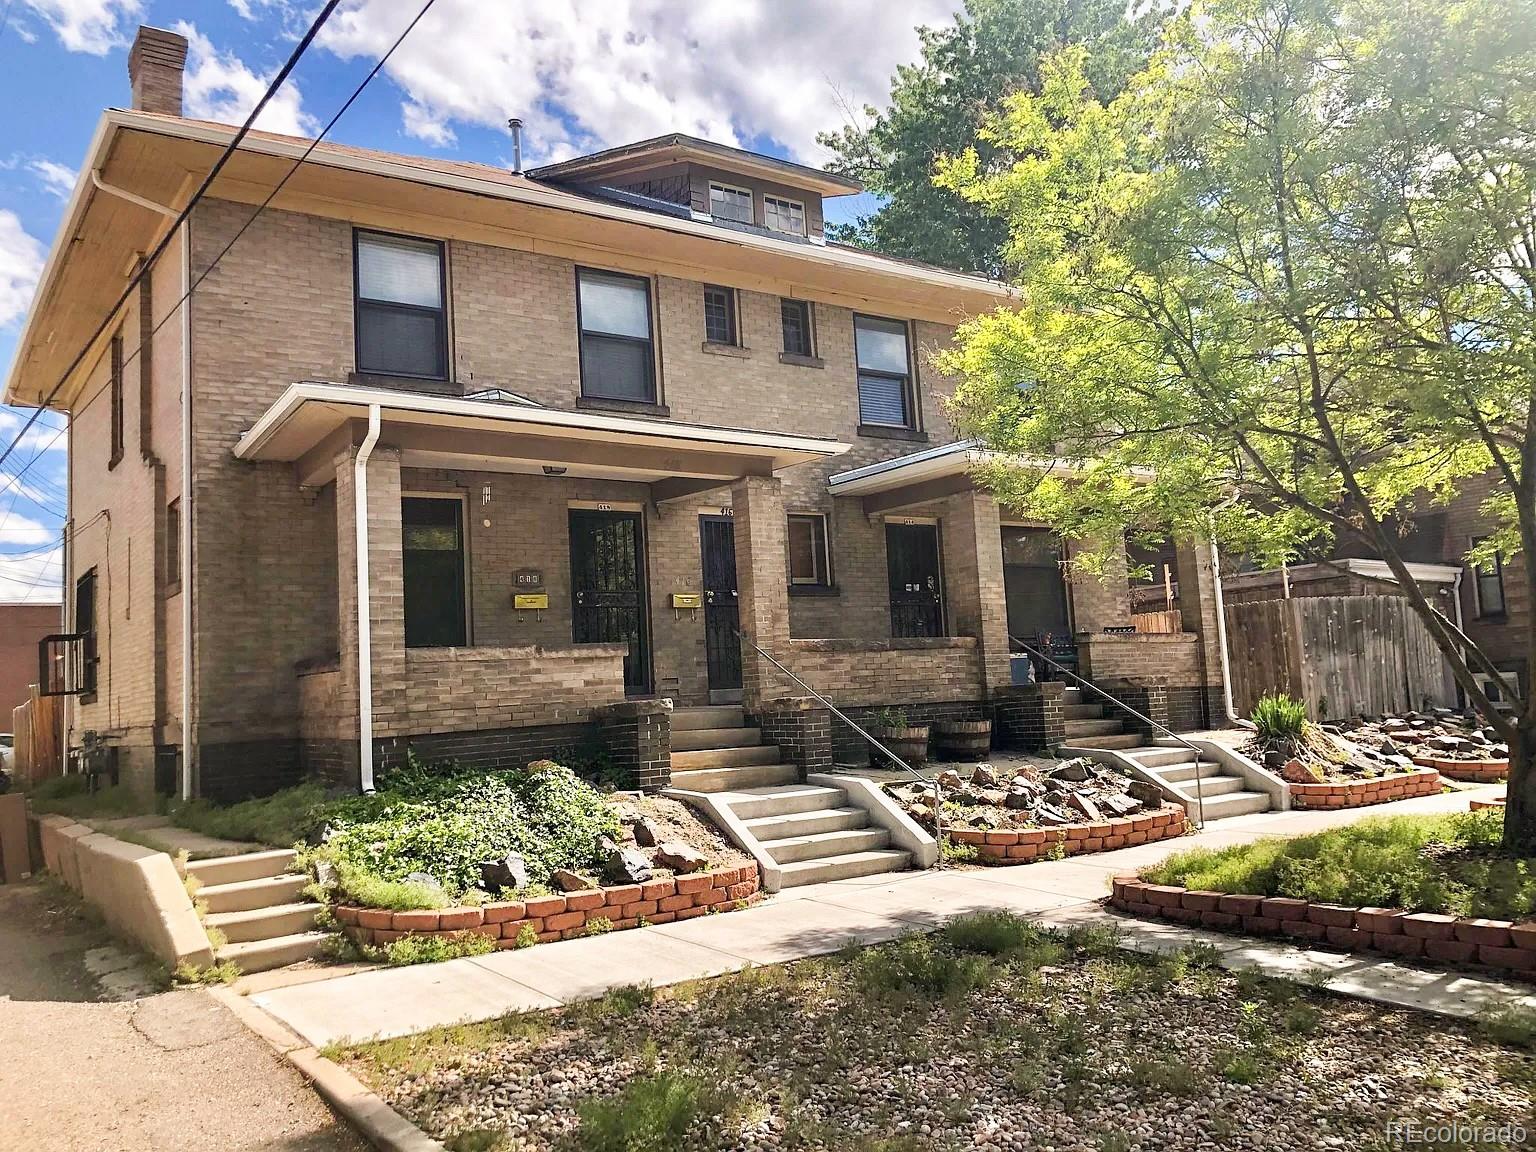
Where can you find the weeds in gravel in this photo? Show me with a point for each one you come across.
(477, 1140)
(615, 1004)
(993, 933)
(918, 968)
(421, 1053)
(1510, 1025)
(226, 973)
(653, 1113)
(1164, 1078)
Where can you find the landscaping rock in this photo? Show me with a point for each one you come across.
(510, 872)
(949, 778)
(625, 865)
(426, 880)
(1084, 804)
(984, 777)
(645, 833)
(1295, 772)
(568, 881)
(681, 858)
(1076, 770)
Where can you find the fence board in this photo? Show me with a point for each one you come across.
(1341, 654)
(1158, 622)
(38, 727)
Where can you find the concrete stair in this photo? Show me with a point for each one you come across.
(256, 907)
(811, 832)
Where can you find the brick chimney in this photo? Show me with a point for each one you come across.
(155, 65)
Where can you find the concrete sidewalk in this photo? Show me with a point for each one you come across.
(823, 918)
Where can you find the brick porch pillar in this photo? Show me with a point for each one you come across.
(762, 585)
(973, 580)
(1100, 602)
(1197, 607)
(386, 581)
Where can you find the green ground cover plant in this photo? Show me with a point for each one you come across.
(1452, 863)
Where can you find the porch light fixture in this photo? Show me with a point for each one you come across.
(554, 470)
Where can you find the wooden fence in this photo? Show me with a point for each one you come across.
(38, 726)
(1341, 654)
(1158, 623)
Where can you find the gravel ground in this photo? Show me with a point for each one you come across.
(1061, 1045)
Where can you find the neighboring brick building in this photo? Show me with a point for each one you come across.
(21, 627)
(590, 418)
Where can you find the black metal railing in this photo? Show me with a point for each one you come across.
(1036, 654)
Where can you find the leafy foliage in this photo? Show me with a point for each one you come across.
(1279, 717)
(650, 1114)
(919, 968)
(433, 949)
(281, 819)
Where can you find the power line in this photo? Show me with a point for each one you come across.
(181, 218)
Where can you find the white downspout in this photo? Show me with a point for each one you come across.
(184, 529)
(1221, 635)
(364, 624)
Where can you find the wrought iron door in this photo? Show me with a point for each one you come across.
(917, 593)
(608, 589)
(722, 649)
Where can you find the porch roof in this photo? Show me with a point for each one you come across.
(312, 422)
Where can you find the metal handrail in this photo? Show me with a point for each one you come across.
(1124, 707)
(938, 818)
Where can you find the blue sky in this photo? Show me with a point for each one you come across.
(582, 74)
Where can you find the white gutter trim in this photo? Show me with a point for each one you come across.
(132, 197)
(184, 547)
(364, 621)
(1221, 636)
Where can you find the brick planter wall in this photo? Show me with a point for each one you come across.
(1022, 845)
(1359, 793)
(1498, 944)
(1470, 771)
(1480, 805)
(563, 916)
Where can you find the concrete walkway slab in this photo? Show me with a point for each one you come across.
(774, 933)
(585, 969)
(932, 898)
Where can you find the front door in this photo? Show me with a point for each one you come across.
(432, 556)
(608, 596)
(722, 648)
(917, 593)
(1036, 594)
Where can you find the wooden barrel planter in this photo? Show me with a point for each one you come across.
(910, 743)
(963, 739)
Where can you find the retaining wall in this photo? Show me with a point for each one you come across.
(1359, 793)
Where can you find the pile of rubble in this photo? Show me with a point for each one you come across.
(1072, 792)
(1443, 733)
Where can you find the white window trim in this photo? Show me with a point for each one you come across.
(724, 187)
(805, 224)
(823, 579)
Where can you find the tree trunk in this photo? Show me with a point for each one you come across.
(1520, 793)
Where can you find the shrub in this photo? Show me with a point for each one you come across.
(1279, 717)
(281, 819)
(889, 718)
(651, 1114)
(919, 968)
(992, 933)
(432, 949)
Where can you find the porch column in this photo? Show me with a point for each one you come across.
(973, 565)
(1197, 607)
(386, 582)
(1100, 602)
(762, 585)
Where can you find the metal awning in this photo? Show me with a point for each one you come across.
(313, 422)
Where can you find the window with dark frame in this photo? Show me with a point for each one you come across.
(116, 383)
(808, 553)
(720, 315)
(795, 316)
(173, 543)
(85, 628)
(884, 371)
(1490, 584)
(782, 215)
(617, 356)
(730, 203)
(401, 316)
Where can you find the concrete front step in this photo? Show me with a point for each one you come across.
(1163, 757)
(698, 739)
(764, 802)
(1232, 804)
(264, 923)
(1210, 786)
(689, 761)
(1075, 729)
(244, 895)
(843, 867)
(718, 716)
(249, 866)
(828, 845)
(1119, 740)
(278, 952)
(769, 828)
(1083, 711)
(1071, 695)
(732, 779)
(1185, 773)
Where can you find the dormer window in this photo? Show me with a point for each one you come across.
(730, 203)
(782, 215)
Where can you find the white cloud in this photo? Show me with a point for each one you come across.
(35, 579)
(21, 263)
(220, 86)
(56, 178)
(17, 531)
(586, 75)
(94, 26)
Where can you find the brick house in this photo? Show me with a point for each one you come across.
(21, 627)
(494, 464)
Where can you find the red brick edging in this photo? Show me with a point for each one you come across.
(1471, 771)
(1479, 805)
(1359, 793)
(563, 916)
(1021, 845)
(1500, 944)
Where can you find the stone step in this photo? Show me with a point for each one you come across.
(843, 867)
(761, 803)
(691, 760)
(264, 923)
(770, 828)
(825, 845)
(1163, 757)
(733, 779)
(243, 895)
(1083, 711)
(699, 739)
(1232, 804)
(716, 716)
(1071, 694)
(248, 866)
(278, 952)
(1179, 773)
(1210, 785)
(1077, 728)
(1122, 741)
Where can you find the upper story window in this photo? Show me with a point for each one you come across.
(85, 628)
(783, 215)
(1490, 585)
(795, 318)
(720, 325)
(730, 203)
(116, 385)
(885, 372)
(614, 314)
(402, 324)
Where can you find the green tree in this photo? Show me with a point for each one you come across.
(938, 105)
(1281, 290)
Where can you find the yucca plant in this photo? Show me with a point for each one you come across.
(1279, 717)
